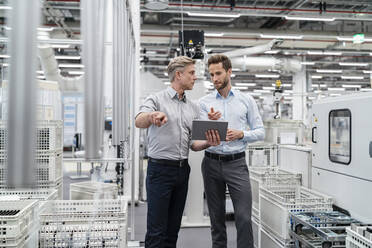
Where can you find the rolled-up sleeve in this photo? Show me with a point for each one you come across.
(149, 105)
(257, 130)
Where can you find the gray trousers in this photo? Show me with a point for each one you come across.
(235, 175)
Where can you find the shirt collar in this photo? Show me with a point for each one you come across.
(173, 94)
(231, 93)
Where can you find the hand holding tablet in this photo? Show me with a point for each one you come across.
(200, 127)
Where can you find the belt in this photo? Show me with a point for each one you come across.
(225, 157)
(167, 162)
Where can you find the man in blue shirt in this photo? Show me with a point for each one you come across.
(225, 164)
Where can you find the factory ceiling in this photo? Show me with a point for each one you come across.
(320, 34)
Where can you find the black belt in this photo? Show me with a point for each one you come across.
(167, 162)
(225, 157)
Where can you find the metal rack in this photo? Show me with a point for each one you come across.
(359, 236)
(320, 229)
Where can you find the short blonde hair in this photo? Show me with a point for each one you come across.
(178, 64)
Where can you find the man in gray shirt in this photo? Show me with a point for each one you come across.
(168, 115)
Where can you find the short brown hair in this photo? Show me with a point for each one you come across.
(178, 64)
(220, 58)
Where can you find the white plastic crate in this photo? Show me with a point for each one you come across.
(262, 154)
(73, 223)
(32, 194)
(48, 167)
(276, 202)
(49, 135)
(93, 191)
(269, 176)
(256, 232)
(16, 220)
(356, 240)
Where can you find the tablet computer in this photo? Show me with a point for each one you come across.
(199, 127)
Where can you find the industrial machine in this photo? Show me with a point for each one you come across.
(342, 152)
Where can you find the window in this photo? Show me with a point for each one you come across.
(340, 136)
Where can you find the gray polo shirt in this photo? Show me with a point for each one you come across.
(173, 139)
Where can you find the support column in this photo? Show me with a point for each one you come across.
(22, 94)
(299, 108)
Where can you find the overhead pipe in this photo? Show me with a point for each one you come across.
(52, 73)
(251, 50)
(265, 63)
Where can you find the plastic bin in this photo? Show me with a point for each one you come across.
(93, 190)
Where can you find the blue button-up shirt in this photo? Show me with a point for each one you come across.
(241, 111)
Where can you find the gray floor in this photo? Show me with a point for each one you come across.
(188, 237)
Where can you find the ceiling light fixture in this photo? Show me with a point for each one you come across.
(240, 87)
(367, 72)
(277, 36)
(272, 52)
(267, 76)
(229, 15)
(68, 57)
(328, 71)
(352, 64)
(71, 66)
(336, 89)
(246, 84)
(60, 45)
(75, 72)
(316, 76)
(352, 77)
(268, 88)
(310, 18)
(324, 53)
(352, 86)
(214, 34)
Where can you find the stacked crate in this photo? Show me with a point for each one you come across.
(359, 236)
(266, 177)
(276, 202)
(18, 223)
(48, 155)
(84, 223)
(262, 154)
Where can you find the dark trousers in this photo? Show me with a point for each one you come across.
(235, 175)
(166, 187)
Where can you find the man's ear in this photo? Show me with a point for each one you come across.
(229, 71)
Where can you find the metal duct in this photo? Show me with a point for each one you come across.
(250, 50)
(264, 63)
(93, 13)
(156, 4)
(52, 73)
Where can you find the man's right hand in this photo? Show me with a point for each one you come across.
(213, 137)
(214, 115)
(158, 118)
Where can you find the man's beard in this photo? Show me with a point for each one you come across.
(225, 83)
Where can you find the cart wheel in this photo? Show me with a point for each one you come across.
(326, 244)
(298, 228)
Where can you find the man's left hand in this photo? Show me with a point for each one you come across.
(233, 134)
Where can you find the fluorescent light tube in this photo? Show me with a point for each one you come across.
(45, 29)
(167, 83)
(268, 88)
(336, 89)
(60, 45)
(366, 89)
(40, 77)
(367, 72)
(351, 86)
(76, 72)
(283, 85)
(40, 72)
(307, 63)
(324, 53)
(71, 66)
(352, 64)
(320, 85)
(334, 94)
(316, 76)
(352, 77)
(4, 56)
(328, 71)
(213, 34)
(308, 18)
(267, 76)
(246, 84)
(5, 7)
(227, 15)
(277, 36)
(68, 57)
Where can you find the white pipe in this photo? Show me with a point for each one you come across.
(250, 50)
(52, 73)
(264, 63)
